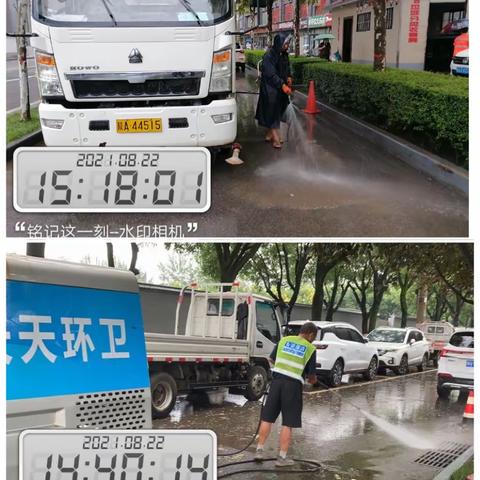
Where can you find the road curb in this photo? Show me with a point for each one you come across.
(447, 472)
(434, 166)
(26, 141)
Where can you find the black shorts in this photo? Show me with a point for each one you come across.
(286, 396)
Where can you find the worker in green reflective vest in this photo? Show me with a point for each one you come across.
(294, 358)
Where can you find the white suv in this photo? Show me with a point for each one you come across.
(400, 348)
(341, 349)
(455, 367)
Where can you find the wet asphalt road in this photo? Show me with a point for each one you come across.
(335, 185)
(336, 434)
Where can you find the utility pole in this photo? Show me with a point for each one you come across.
(22, 22)
(422, 295)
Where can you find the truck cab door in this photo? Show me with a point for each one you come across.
(267, 329)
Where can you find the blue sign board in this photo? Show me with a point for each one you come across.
(64, 340)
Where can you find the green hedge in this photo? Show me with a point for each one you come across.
(252, 57)
(429, 109)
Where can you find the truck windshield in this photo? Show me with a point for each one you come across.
(110, 13)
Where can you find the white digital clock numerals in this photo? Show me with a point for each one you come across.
(56, 179)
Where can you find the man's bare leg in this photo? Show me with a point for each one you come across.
(263, 434)
(285, 440)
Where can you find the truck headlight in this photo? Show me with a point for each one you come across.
(47, 73)
(221, 79)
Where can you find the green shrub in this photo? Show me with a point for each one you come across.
(252, 57)
(429, 109)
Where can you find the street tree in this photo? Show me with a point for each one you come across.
(280, 269)
(380, 34)
(371, 273)
(220, 261)
(22, 27)
(133, 260)
(335, 289)
(326, 257)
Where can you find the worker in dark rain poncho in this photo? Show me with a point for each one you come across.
(275, 87)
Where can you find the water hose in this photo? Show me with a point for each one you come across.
(313, 465)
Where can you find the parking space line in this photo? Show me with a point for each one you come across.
(389, 379)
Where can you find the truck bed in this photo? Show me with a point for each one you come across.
(173, 348)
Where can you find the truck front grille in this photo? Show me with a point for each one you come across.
(171, 87)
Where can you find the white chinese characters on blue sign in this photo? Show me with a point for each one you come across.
(68, 340)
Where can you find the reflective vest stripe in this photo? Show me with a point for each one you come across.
(288, 374)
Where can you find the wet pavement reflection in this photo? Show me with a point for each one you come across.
(337, 434)
(327, 181)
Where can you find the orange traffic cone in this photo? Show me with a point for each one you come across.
(468, 413)
(311, 100)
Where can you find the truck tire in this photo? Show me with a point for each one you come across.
(334, 378)
(257, 382)
(164, 394)
(423, 366)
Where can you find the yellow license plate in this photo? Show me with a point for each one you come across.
(139, 125)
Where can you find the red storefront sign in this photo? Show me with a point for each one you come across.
(414, 21)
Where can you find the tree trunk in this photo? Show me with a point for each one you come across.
(297, 28)
(421, 304)
(22, 23)
(403, 307)
(110, 257)
(380, 35)
(133, 262)
(36, 249)
(269, 21)
(318, 296)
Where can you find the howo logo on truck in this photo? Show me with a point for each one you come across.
(84, 67)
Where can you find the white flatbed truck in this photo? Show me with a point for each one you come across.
(224, 340)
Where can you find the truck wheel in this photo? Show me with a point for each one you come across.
(371, 373)
(257, 382)
(164, 394)
(423, 366)
(402, 369)
(242, 67)
(435, 359)
(335, 375)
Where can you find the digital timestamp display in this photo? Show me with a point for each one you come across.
(118, 455)
(166, 179)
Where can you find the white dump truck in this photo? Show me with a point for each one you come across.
(136, 72)
(219, 339)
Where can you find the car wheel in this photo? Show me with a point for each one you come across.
(423, 366)
(371, 373)
(257, 382)
(164, 394)
(402, 369)
(443, 392)
(336, 374)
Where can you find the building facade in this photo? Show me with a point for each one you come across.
(417, 32)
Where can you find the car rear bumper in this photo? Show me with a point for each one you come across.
(196, 129)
